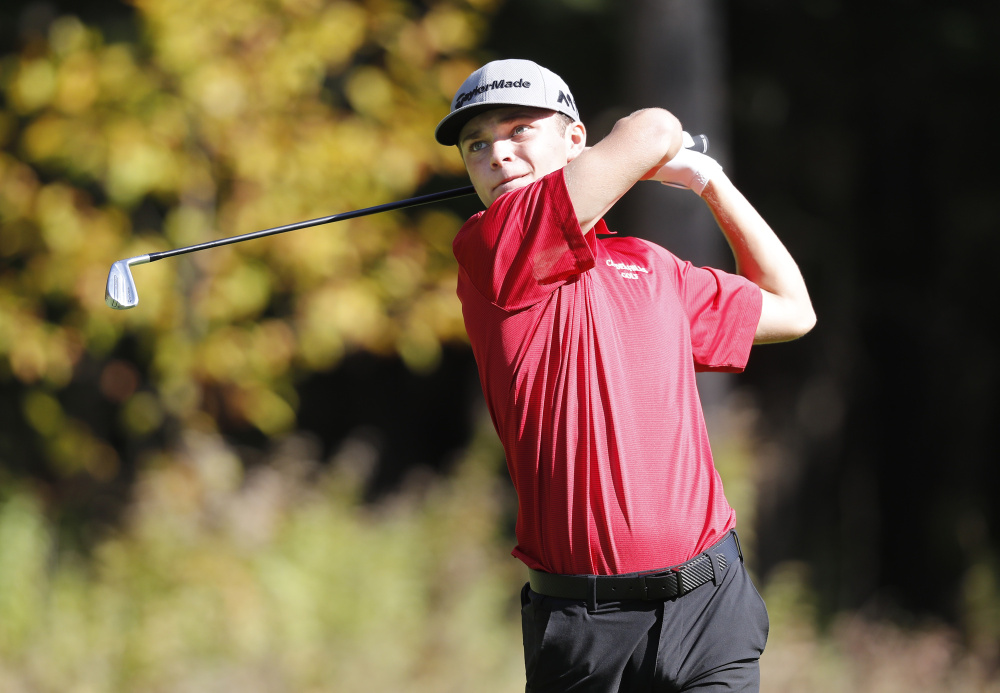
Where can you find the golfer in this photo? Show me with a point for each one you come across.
(587, 346)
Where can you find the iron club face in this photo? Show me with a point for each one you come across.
(120, 292)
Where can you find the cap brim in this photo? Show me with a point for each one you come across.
(450, 127)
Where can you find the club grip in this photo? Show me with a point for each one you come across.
(700, 144)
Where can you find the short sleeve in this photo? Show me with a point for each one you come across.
(723, 310)
(526, 245)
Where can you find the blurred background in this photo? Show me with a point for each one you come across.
(277, 473)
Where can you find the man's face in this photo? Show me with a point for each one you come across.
(509, 147)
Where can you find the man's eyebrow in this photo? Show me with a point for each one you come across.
(468, 136)
(516, 115)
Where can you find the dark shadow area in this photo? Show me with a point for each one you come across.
(409, 423)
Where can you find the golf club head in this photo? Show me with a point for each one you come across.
(120, 292)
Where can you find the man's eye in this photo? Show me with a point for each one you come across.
(477, 146)
(520, 129)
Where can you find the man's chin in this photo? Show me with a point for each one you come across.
(509, 186)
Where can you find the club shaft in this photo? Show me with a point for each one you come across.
(387, 207)
(700, 144)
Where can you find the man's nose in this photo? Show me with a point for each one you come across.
(501, 151)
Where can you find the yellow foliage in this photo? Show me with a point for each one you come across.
(43, 412)
(227, 117)
(251, 581)
(33, 85)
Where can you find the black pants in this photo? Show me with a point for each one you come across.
(708, 640)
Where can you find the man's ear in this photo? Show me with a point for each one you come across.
(576, 140)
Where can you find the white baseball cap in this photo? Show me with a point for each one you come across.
(510, 82)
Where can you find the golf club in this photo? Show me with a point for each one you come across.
(121, 293)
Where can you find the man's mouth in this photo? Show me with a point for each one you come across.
(509, 179)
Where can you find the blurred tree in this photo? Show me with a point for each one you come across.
(222, 118)
(676, 58)
(871, 140)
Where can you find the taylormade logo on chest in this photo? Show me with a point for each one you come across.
(627, 270)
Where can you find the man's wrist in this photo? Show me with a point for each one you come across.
(689, 169)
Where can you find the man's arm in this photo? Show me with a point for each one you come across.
(787, 312)
(636, 147)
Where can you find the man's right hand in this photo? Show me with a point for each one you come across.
(688, 169)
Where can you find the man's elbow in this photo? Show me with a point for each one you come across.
(806, 321)
(800, 321)
(785, 325)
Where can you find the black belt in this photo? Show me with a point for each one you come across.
(658, 585)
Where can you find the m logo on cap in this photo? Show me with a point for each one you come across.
(567, 99)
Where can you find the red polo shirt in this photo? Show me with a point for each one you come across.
(587, 350)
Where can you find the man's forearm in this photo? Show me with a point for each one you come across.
(637, 145)
(762, 258)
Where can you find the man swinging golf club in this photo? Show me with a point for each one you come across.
(587, 349)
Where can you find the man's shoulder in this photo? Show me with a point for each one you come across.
(470, 224)
(514, 210)
(634, 246)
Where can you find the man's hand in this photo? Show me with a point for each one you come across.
(688, 169)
